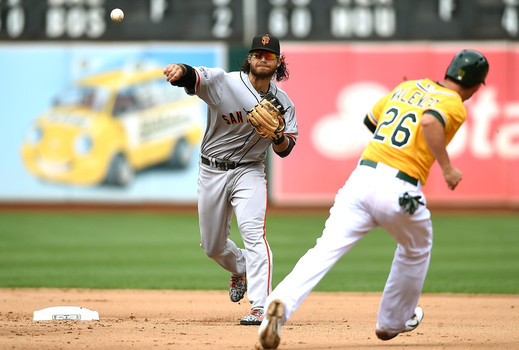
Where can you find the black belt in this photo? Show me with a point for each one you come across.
(401, 175)
(225, 165)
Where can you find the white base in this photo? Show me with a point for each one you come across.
(63, 313)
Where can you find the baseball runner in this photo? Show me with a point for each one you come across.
(247, 113)
(411, 126)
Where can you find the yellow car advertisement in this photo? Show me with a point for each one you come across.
(90, 122)
(108, 126)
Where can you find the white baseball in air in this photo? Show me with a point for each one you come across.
(117, 15)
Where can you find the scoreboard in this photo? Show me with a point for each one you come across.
(190, 20)
(236, 21)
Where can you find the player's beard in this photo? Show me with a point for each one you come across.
(263, 73)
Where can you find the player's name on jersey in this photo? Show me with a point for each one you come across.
(414, 97)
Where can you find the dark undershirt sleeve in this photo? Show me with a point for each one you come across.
(372, 127)
(436, 115)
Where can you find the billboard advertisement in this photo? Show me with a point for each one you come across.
(333, 86)
(99, 122)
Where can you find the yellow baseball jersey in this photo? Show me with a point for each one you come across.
(398, 139)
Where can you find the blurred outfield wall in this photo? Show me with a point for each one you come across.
(333, 96)
(331, 100)
(342, 56)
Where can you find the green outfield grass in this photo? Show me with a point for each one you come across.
(471, 253)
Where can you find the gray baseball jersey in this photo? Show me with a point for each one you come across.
(229, 96)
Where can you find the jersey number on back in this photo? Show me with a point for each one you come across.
(396, 127)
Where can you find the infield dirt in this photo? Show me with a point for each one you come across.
(164, 319)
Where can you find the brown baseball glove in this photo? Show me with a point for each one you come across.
(267, 117)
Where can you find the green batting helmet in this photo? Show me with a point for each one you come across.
(468, 68)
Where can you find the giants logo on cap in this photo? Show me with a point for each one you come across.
(265, 40)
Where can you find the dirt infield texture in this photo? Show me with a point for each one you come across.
(131, 319)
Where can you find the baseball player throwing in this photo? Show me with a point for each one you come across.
(247, 113)
(411, 126)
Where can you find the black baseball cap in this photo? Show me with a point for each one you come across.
(265, 42)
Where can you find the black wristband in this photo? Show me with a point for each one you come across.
(286, 152)
(183, 67)
(188, 79)
(279, 140)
